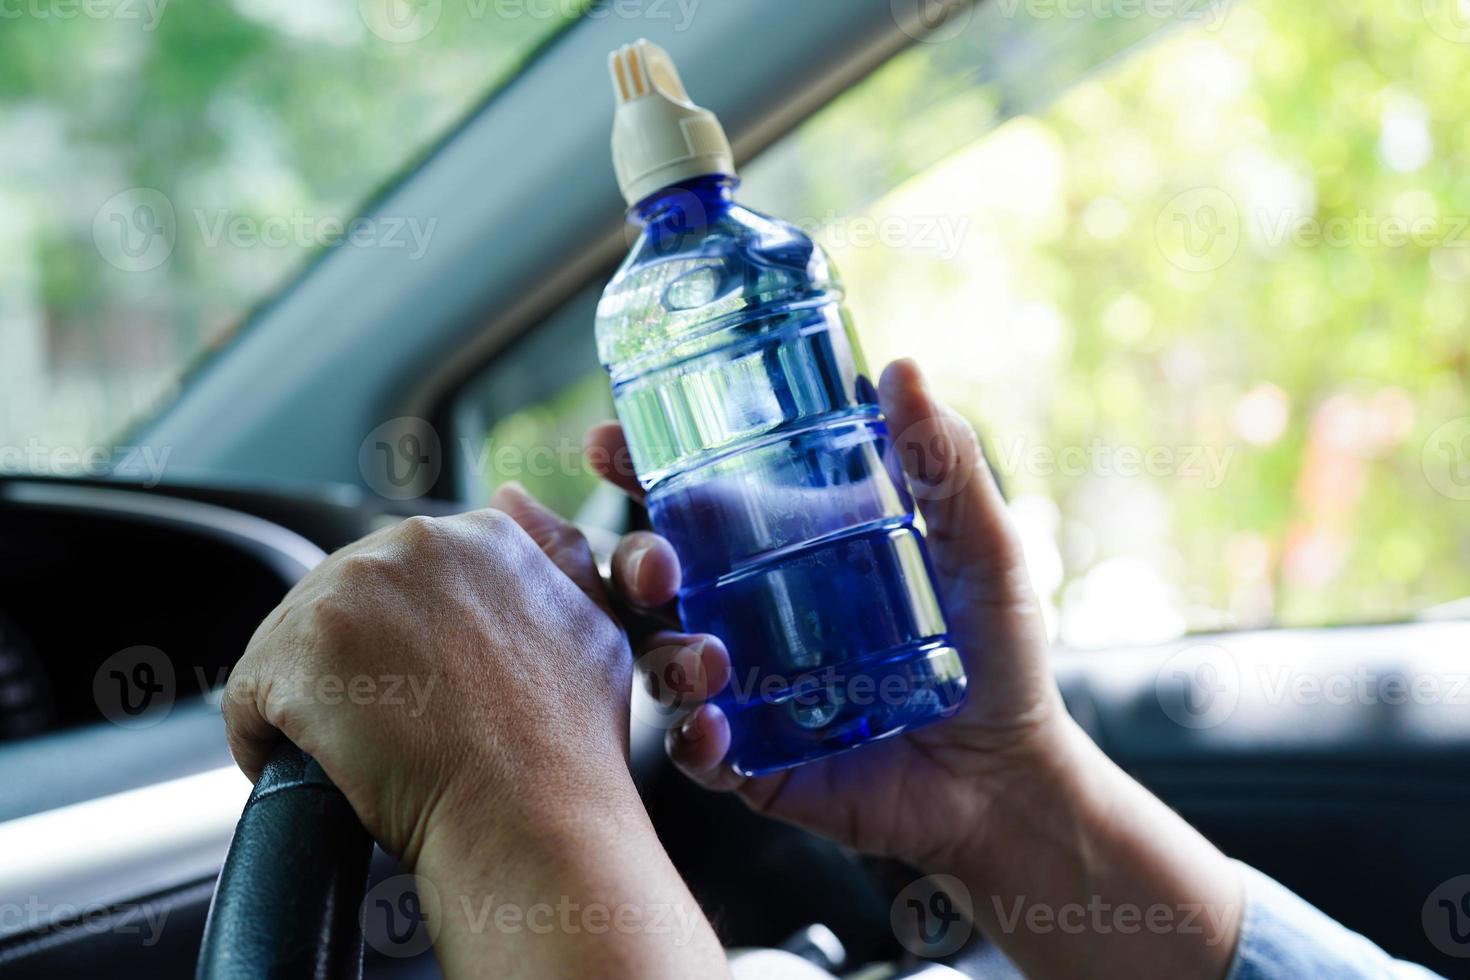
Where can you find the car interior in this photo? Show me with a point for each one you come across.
(890, 117)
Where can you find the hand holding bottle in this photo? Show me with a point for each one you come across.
(909, 795)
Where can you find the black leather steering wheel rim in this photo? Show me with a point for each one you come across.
(288, 900)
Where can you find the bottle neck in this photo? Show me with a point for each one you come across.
(687, 204)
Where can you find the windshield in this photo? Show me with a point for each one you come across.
(167, 166)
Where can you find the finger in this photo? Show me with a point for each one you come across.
(557, 538)
(250, 737)
(698, 748)
(607, 453)
(645, 570)
(968, 527)
(683, 670)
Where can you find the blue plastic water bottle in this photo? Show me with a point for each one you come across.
(754, 427)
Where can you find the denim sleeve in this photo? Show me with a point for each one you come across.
(1284, 938)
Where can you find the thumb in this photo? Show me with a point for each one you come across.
(971, 537)
(992, 611)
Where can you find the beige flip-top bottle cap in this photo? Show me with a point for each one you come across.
(659, 136)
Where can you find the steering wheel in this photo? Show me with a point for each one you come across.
(288, 898)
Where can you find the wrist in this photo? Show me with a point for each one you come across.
(1034, 804)
(550, 815)
(578, 889)
(1072, 859)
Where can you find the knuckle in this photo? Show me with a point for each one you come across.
(567, 539)
(466, 534)
(332, 620)
(636, 543)
(421, 533)
(280, 708)
(494, 535)
(240, 689)
(608, 637)
(365, 568)
(493, 524)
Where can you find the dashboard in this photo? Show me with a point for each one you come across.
(116, 603)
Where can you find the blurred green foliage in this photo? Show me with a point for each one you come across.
(261, 110)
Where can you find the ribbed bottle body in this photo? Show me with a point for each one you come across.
(755, 429)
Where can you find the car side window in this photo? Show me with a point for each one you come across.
(524, 416)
